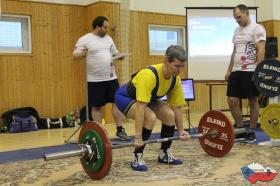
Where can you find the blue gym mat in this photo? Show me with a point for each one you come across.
(38, 153)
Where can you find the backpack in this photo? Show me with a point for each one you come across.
(21, 119)
(22, 123)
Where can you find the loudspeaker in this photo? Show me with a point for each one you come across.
(271, 49)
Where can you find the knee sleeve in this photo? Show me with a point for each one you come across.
(145, 136)
(166, 131)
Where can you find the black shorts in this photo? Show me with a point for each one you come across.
(241, 85)
(100, 93)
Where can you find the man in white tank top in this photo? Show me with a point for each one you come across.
(99, 50)
(249, 49)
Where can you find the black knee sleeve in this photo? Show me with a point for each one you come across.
(166, 131)
(145, 136)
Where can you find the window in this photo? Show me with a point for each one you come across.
(161, 37)
(15, 34)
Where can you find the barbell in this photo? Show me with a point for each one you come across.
(215, 133)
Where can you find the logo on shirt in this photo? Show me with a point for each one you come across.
(257, 172)
(250, 55)
(250, 50)
(112, 50)
(259, 35)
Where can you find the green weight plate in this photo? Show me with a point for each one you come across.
(107, 154)
(96, 164)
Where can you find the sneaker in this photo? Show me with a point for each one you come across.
(137, 162)
(122, 135)
(250, 138)
(168, 158)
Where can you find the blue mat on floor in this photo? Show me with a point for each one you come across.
(35, 153)
(38, 153)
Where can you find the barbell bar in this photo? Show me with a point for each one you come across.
(86, 151)
(131, 144)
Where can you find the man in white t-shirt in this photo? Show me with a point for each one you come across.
(249, 49)
(99, 50)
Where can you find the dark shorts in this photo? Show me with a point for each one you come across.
(241, 85)
(100, 93)
(122, 100)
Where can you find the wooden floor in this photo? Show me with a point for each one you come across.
(51, 137)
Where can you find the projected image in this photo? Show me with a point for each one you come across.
(211, 36)
(209, 41)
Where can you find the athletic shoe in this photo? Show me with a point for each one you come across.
(137, 162)
(167, 157)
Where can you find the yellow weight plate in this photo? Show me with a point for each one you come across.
(270, 120)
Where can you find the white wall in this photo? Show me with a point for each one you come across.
(72, 2)
(265, 10)
(268, 9)
(276, 11)
(177, 6)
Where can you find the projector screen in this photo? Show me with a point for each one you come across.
(209, 41)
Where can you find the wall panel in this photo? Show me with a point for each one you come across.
(49, 79)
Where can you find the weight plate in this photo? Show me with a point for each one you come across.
(105, 142)
(220, 144)
(92, 138)
(267, 77)
(270, 120)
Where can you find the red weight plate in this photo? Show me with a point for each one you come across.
(221, 144)
(104, 170)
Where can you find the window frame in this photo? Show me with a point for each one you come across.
(179, 29)
(26, 35)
